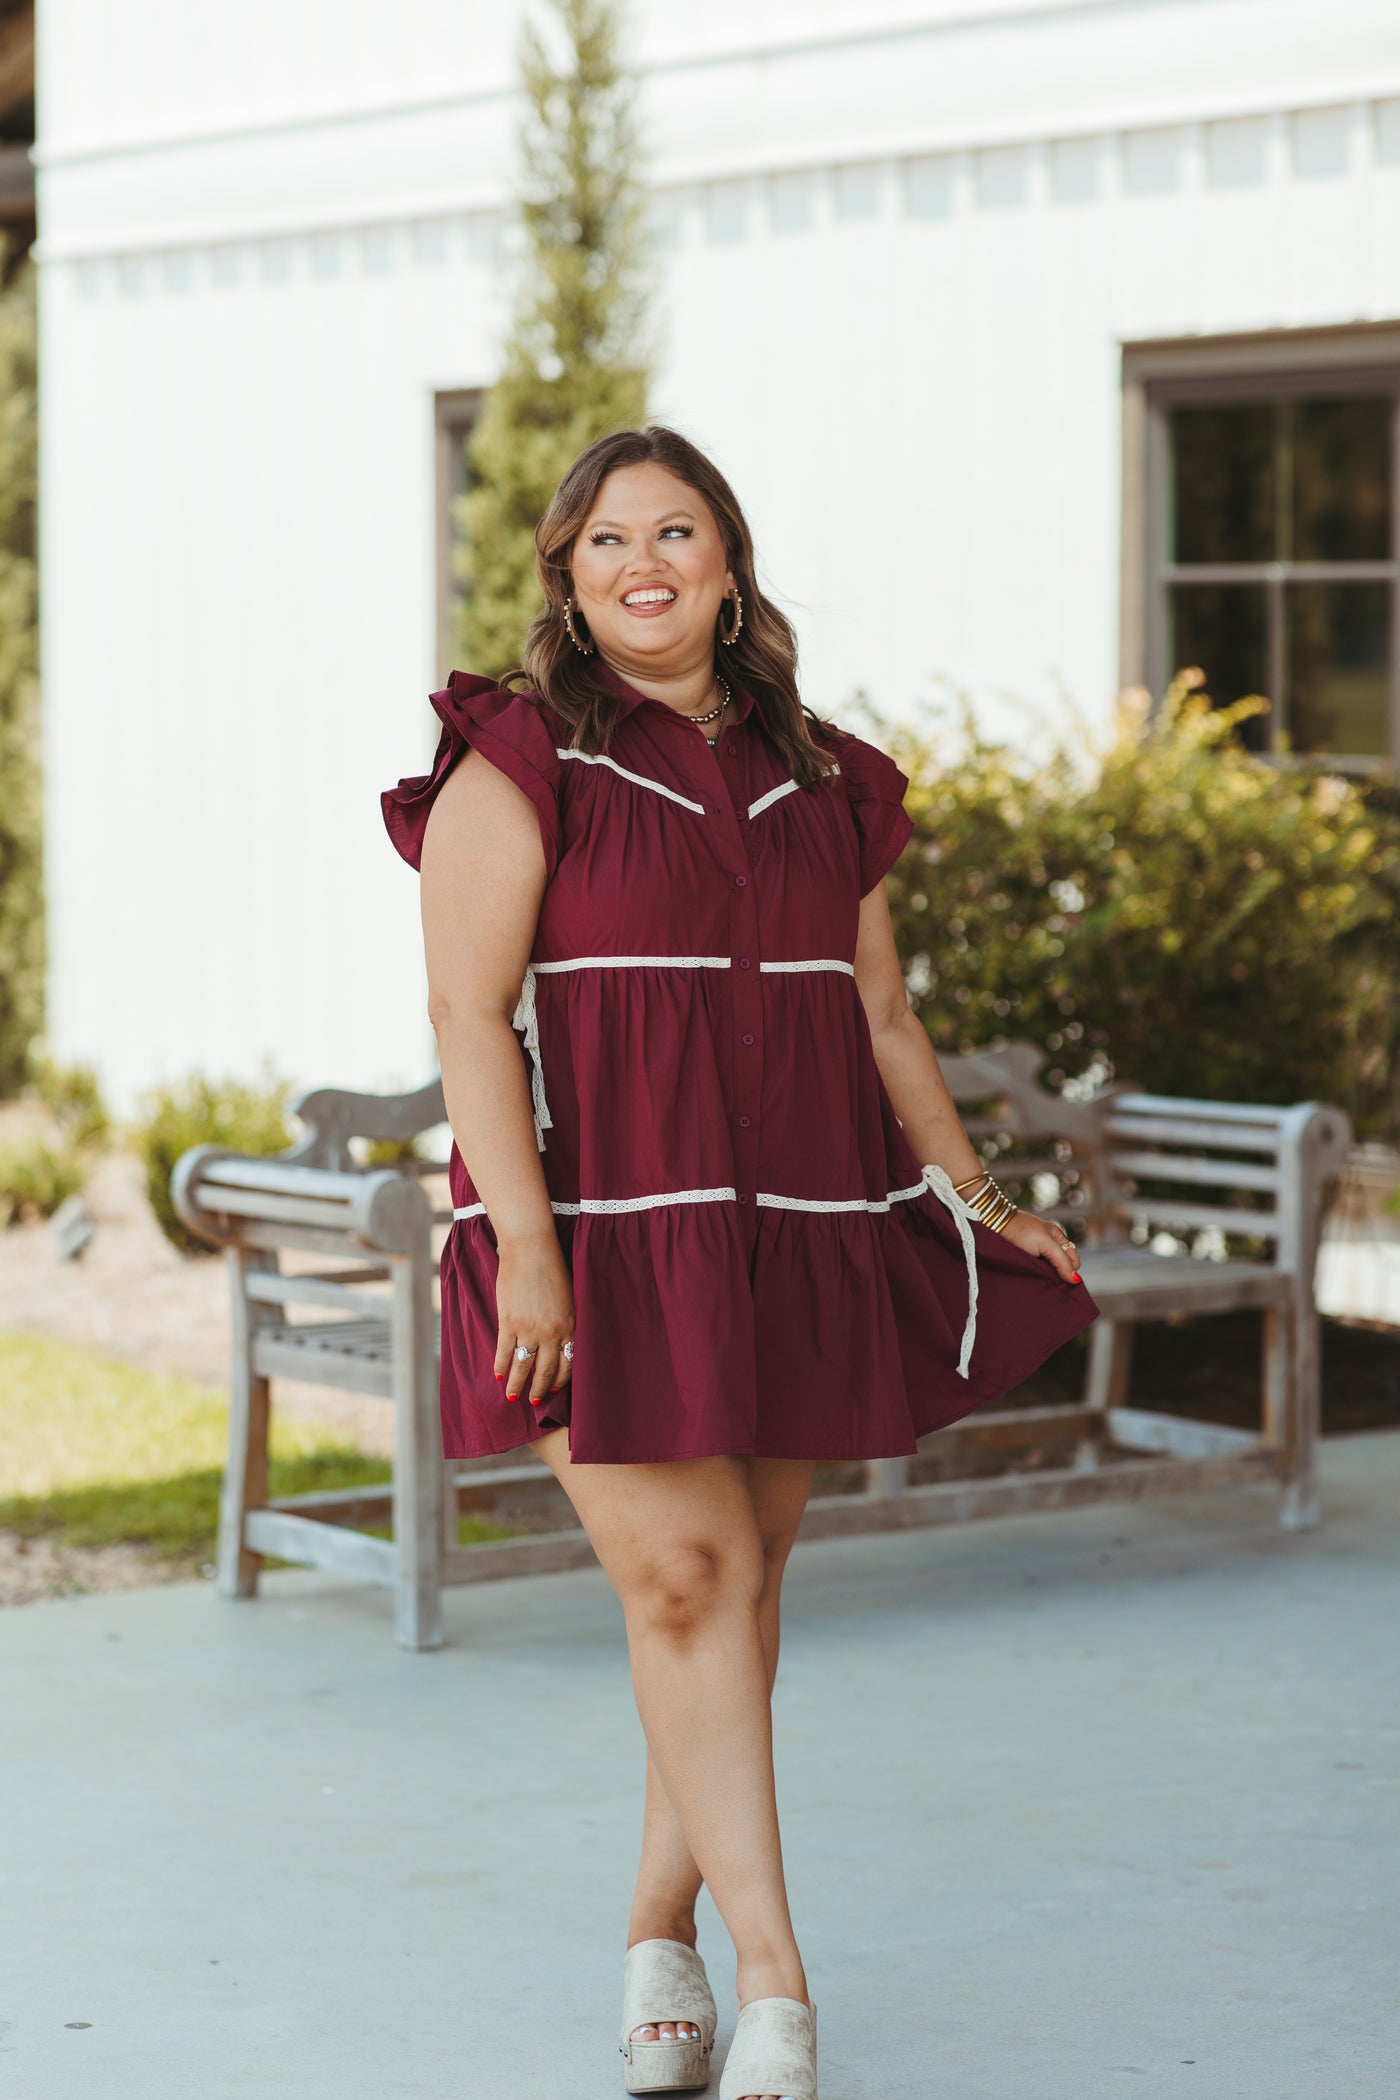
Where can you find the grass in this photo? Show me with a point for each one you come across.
(97, 1452)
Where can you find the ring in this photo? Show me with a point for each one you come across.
(567, 1349)
(522, 1354)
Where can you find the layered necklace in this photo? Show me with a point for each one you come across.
(714, 713)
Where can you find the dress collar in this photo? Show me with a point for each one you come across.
(613, 682)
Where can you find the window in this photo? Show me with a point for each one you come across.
(1266, 527)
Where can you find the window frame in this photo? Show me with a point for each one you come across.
(1158, 376)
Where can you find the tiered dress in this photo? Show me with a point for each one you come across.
(760, 1262)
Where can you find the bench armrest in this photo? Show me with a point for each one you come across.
(382, 1211)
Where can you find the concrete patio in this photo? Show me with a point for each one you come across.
(1075, 1805)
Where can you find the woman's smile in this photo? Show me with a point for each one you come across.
(646, 601)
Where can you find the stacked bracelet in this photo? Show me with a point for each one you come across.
(990, 1205)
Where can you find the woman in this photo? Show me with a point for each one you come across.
(716, 1217)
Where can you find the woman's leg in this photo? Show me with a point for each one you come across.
(668, 1880)
(681, 1545)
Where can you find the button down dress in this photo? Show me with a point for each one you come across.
(760, 1263)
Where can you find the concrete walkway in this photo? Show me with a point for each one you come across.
(1074, 1806)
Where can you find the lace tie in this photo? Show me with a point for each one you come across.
(942, 1187)
(526, 1019)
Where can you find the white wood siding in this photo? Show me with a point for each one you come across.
(899, 248)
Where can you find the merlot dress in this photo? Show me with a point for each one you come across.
(760, 1262)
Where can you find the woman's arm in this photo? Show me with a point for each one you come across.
(914, 1081)
(483, 876)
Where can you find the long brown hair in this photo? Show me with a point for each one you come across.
(763, 659)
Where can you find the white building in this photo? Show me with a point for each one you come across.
(947, 286)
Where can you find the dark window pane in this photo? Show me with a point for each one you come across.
(1223, 628)
(1341, 480)
(1338, 657)
(1223, 483)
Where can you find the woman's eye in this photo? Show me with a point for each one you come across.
(601, 539)
(684, 530)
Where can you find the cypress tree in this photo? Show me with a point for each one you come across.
(22, 950)
(574, 365)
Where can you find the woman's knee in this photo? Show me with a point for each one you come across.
(676, 1590)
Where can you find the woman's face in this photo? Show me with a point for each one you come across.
(650, 573)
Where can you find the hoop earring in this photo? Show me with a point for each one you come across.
(583, 648)
(727, 641)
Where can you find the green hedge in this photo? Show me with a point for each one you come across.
(1162, 907)
(198, 1110)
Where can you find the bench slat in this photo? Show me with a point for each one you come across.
(281, 1177)
(268, 1288)
(321, 1545)
(959, 1501)
(320, 1211)
(1264, 1224)
(1155, 1105)
(1207, 1136)
(1142, 1429)
(1207, 1173)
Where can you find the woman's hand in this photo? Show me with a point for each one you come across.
(1040, 1236)
(534, 1306)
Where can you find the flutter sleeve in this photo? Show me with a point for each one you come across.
(505, 727)
(875, 789)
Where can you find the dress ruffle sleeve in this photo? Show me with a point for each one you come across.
(505, 727)
(875, 788)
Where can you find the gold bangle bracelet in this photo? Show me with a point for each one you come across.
(959, 1186)
(992, 1207)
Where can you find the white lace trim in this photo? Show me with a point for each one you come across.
(775, 794)
(639, 962)
(794, 968)
(611, 1206)
(600, 758)
(934, 1181)
(784, 787)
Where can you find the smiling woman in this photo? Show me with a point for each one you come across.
(721, 1219)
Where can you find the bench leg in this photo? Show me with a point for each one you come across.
(420, 1474)
(1110, 1364)
(245, 1474)
(1300, 1508)
(886, 1476)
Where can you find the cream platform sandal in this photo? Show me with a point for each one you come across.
(666, 1980)
(774, 2050)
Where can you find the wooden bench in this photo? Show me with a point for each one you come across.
(1118, 1170)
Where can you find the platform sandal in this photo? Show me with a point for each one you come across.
(666, 1980)
(774, 2050)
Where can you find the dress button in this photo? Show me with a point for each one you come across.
(748, 1038)
(742, 1197)
(733, 749)
(744, 1122)
(743, 962)
(741, 882)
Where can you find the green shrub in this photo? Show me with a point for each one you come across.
(202, 1111)
(72, 1096)
(1163, 906)
(386, 1152)
(36, 1176)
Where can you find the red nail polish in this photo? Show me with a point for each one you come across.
(1077, 1277)
(500, 1376)
(512, 1396)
